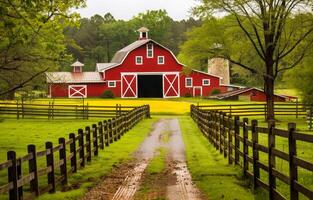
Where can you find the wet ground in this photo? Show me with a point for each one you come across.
(173, 183)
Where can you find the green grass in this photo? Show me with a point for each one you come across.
(24, 132)
(157, 164)
(209, 170)
(116, 154)
(17, 134)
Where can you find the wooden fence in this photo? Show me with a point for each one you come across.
(52, 111)
(231, 138)
(73, 154)
(260, 109)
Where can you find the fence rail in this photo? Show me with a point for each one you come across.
(53, 111)
(260, 109)
(234, 138)
(73, 154)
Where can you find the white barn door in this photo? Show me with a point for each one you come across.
(77, 91)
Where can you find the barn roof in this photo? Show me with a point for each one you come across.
(121, 54)
(103, 66)
(226, 95)
(71, 77)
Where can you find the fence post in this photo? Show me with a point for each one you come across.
(18, 110)
(297, 108)
(32, 167)
(87, 110)
(73, 153)
(255, 140)
(50, 163)
(62, 156)
(225, 146)
(95, 139)
(82, 147)
(271, 159)
(12, 175)
(110, 131)
(106, 133)
(220, 130)
(237, 142)
(293, 169)
(230, 141)
(19, 177)
(245, 146)
(101, 135)
(88, 144)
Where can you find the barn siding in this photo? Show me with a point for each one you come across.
(93, 89)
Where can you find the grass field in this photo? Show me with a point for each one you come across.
(24, 132)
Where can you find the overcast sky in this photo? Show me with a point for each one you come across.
(126, 9)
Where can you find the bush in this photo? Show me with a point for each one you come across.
(107, 94)
(188, 95)
(215, 92)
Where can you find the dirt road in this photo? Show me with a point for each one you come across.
(174, 183)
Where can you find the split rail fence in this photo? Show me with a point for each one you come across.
(260, 109)
(72, 155)
(22, 110)
(239, 141)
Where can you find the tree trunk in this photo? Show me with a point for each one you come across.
(269, 92)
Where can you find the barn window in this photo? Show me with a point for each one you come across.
(161, 60)
(112, 84)
(150, 50)
(206, 82)
(188, 82)
(138, 60)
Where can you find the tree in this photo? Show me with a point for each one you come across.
(32, 40)
(275, 29)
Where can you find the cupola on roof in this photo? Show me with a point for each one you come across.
(77, 64)
(143, 33)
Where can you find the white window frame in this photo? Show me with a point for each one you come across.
(159, 63)
(114, 84)
(150, 50)
(188, 86)
(204, 84)
(137, 63)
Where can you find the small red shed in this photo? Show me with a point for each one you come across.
(144, 68)
(248, 94)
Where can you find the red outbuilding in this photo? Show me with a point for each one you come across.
(144, 68)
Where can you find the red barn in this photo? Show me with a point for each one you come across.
(144, 68)
(250, 94)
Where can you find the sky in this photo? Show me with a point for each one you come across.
(126, 9)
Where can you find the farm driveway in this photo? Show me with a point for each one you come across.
(125, 180)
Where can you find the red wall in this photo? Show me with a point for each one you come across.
(93, 89)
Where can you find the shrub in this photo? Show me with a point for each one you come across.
(107, 94)
(215, 92)
(188, 95)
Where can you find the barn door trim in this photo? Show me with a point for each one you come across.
(128, 85)
(171, 85)
(196, 87)
(77, 91)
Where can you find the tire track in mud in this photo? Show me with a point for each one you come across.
(183, 188)
(179, 184)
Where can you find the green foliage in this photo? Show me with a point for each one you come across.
(188, 95)
(98, 38)
(32, 39)
(215, 92)
(107, 94)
